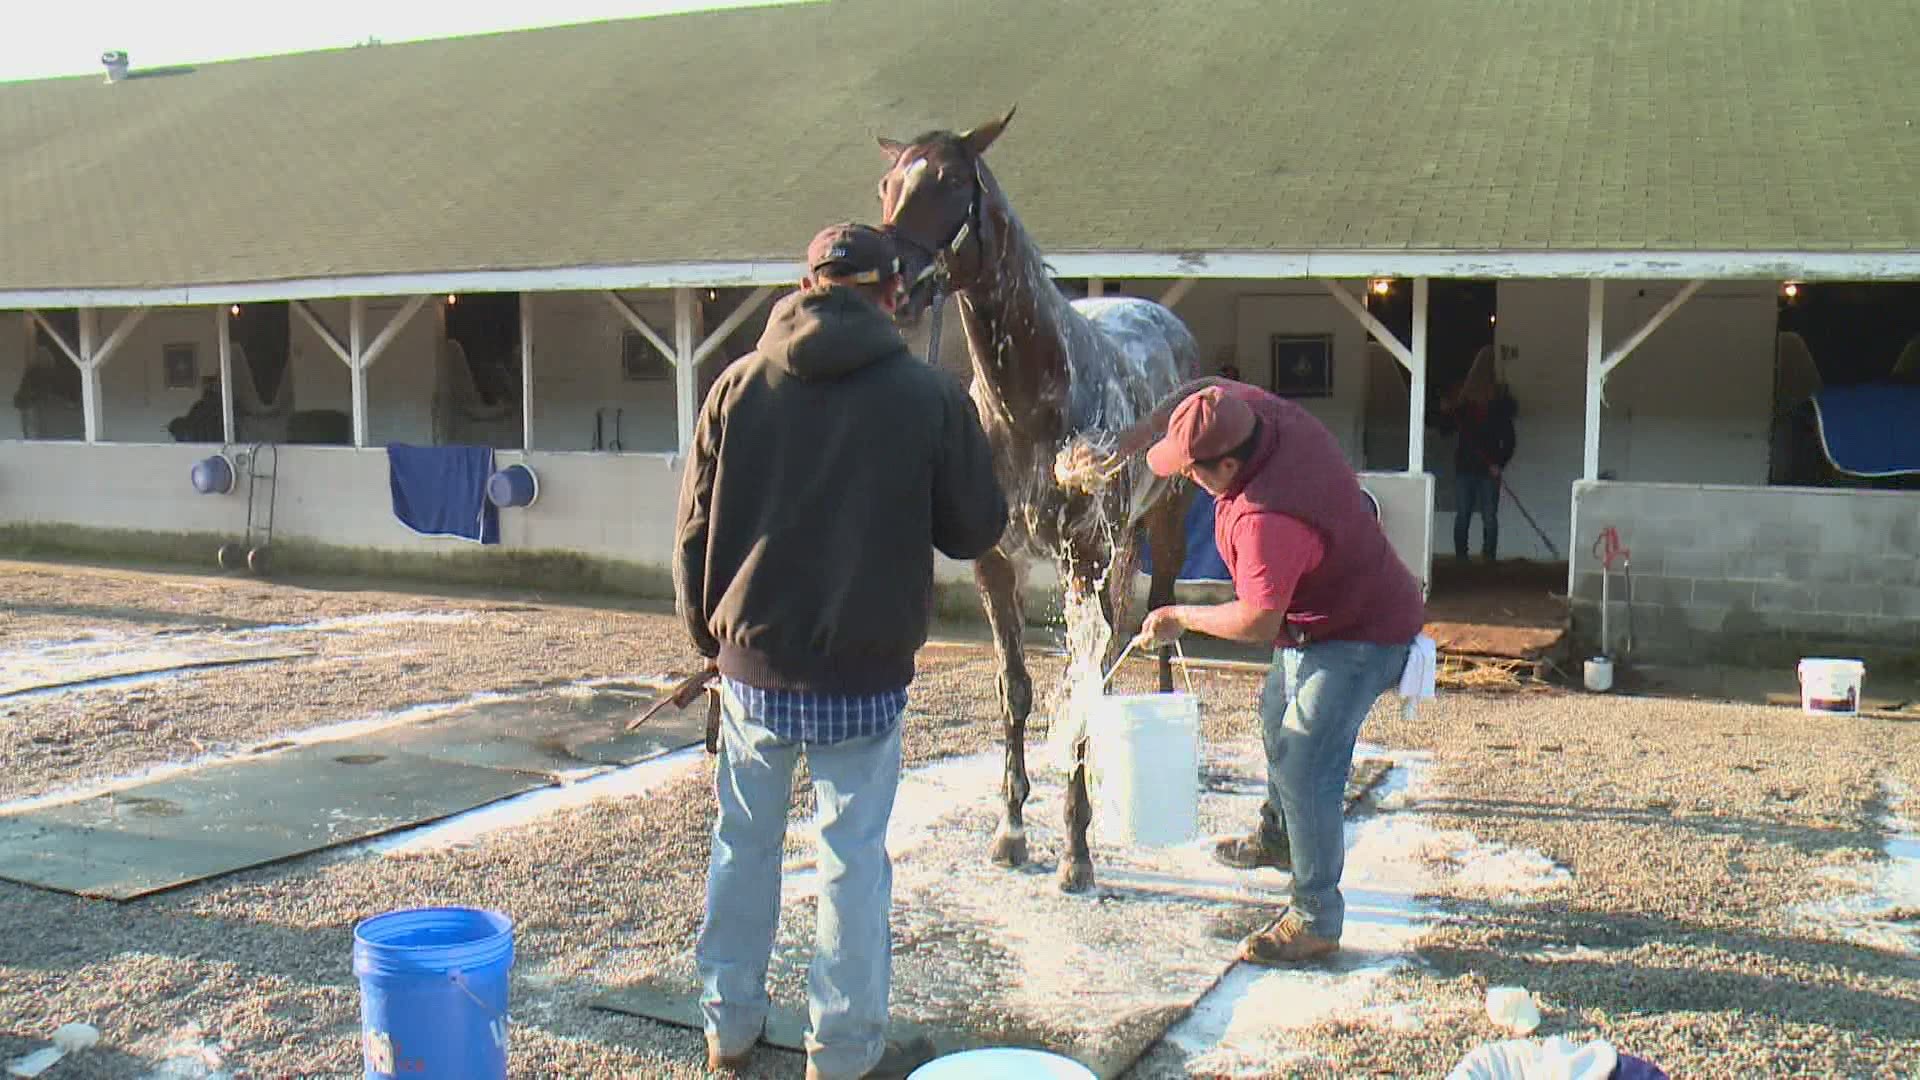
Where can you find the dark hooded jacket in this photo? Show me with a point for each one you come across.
(1486, 434)
(827, 465)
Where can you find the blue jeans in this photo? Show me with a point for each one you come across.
(1311, 709)
(1476, 493)
(848, 982)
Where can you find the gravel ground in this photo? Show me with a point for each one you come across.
(1691, 830)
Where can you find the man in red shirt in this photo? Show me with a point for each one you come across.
(1314, 576)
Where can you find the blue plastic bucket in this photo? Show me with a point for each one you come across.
(514, 485)
(433, 993)
(213, 476)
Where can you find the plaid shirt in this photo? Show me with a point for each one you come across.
(820, 719)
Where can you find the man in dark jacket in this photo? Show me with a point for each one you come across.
(826, 467)
(1482, 416)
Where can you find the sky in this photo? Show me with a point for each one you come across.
(43, 40)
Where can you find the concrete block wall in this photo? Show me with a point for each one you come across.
(1751, 574)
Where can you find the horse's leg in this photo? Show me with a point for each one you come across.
(1083, 571)
(1167, 538)
(999, 582)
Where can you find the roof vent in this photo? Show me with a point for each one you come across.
(116, 64)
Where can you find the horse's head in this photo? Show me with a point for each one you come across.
(932, 199)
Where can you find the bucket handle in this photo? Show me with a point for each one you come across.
(459, 979)
(1185, 671)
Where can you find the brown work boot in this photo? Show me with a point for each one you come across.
(1286, 940)
(896, 1062)
(1253, 852)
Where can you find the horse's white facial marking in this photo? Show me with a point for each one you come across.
(910, 178)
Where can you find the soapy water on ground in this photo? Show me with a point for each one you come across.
(1884, 911)
(1243, 1028)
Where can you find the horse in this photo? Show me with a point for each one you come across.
(1046, 372)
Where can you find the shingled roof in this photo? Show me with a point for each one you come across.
(1144, 126)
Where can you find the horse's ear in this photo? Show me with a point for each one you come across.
(892, 149)
(978, 139)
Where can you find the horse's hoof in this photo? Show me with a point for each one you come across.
(1076, 877)
(1010, 847)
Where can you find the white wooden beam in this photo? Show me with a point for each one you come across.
(307, 316)
(1177, 292)
(72, 351)
(731, 323)
(686, 376)
(223, 329)
(357, 366)
(1626, 347)
(1417, 390)
(392, 329)
(114, 340)
(1596, 374)
(526, 371)
(1096, 286)
(89, 374)
(1771, 266)
(1374, 326)
(633, 317)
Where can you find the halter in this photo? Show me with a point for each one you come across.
(937, 263)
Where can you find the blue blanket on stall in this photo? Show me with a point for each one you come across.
(1203, 559)
(1871, 429)
(442, 491)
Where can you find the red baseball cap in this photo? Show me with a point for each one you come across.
(1207, 425)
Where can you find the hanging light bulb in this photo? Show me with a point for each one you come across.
(1790, 290)
(234, 310)
(1492, 319)
(712, 295)
(452, 299)
(1380, 286)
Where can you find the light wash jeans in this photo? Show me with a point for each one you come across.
(1311, 709)
(1476, 493)
(848, 982)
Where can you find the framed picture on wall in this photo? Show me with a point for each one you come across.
(640, 361)
(1302, 364)
(179, 366)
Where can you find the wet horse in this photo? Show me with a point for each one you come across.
(1045, 371)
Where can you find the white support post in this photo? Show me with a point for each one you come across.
(327, 336)
(1666, 311)
(89, 374)
(1374, 326)
(392, 330)
(1417, 391)
(526, 371)
(1096, 286)
(224, 329)
(686, 378)
(731, 323)
(357, 365)
(1177, 292)
(1596, 373)
(619, 304)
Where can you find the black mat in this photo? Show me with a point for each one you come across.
(260, 809)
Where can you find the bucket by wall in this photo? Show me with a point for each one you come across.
(1831, 687)
(213, 475)
(1002, 1063)
(433, 993)
(1599, 674)
(1144, 755)
(515, 485)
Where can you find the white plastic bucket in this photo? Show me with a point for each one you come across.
(1599, 674)
(1002, 1063)
(1144, 755)
(1831, 687)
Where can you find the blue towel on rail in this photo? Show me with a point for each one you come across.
(442, 491)
(1871, 429)
(1203, 559)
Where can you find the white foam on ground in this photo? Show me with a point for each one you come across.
(1244, 1026)
(521, 810)
(361, 622)
(190, 1056)
(1883, 888)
